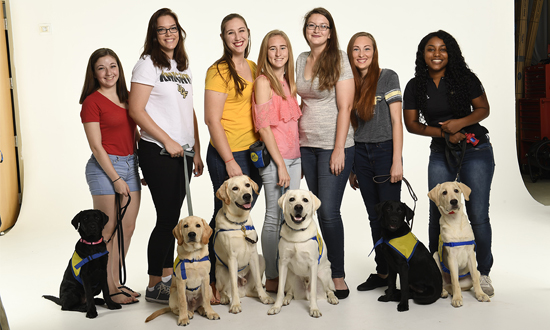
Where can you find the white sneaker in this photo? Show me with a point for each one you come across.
(486, 285)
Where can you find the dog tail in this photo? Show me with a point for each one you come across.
(52, 298)
(157, 313)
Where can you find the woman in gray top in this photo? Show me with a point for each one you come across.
(325, 84)
(378, 139)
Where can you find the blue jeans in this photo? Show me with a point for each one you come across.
(218, 174)
(329, 188)
(375, 159)
(477, 171)
(272, 223)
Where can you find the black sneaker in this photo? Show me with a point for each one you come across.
(374, 281)
(160, 294)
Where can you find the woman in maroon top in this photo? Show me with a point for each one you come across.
(112, 168)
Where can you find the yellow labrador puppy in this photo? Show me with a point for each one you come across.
(239, 268)
(456, 257)
(303, 261)
(190, 291)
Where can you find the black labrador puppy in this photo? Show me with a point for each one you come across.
(86, 274)
(420, 278)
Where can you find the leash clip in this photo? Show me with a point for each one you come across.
(248, 239)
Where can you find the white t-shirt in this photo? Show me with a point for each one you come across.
(170, 104)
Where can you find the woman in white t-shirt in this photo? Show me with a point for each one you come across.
(161, 103)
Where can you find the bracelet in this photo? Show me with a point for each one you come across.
(117, 179)
(230, 160)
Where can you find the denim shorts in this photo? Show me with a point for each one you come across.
(100, 183)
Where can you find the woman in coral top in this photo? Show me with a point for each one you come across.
(112, 168)
(276, 113)
(228, 114)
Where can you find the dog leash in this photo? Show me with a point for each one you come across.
(409, 187)
(121, 211)
(190, 153)
(457, 150)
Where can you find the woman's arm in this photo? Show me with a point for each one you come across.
(413, 124)
(480, 112)
(396, 170)
(345, 90)
(138, 100)
(197, 160)
(213, 111)
(262, 95)
(93, 134)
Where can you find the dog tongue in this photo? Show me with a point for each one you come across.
(247, 206)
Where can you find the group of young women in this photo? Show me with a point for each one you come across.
(347, 128)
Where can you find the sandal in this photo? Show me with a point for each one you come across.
(131, 291)
(127, 295)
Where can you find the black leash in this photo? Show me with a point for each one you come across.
(457, 151)
(121, 211)
(409, 187)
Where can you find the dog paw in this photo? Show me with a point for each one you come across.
(287, 300)
(457, 302)
(332, 299)
(183, 321)
(224, 300)
(274, 310)
(403, 307)
(444, 293)
(91, 314)
(190, 314)
(114, 305)
(235, 309)
(212, 316)
(315, 312)
(384, 298)
(267, 300)
(483, 297)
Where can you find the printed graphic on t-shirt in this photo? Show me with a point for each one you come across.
(182, 91)
(177, 77)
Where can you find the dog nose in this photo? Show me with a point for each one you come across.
(247, 197)
(192, 235)
(454, 202)
(298, 208)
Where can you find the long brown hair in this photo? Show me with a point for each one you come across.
(240, 83)
(90, 82)
(152, 47)
(327, 68)
(264, 67)
(365, 87)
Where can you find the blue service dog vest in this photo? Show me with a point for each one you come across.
(77, 262)
(404, 245)
(177, 262)
(451, 244)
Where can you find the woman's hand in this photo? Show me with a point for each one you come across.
(173, 148)
(233, 169)
(337, 161)
(199, 166)
(451, 126)
(354, 184)
(121, 187)
(456, 138)
(284, 178)
(396, 172)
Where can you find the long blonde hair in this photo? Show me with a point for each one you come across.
(264, 67)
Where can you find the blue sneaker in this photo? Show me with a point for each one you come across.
(160, 294)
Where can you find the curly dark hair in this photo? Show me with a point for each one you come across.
(458, 76)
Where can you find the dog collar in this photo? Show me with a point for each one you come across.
(293, 228)
(91, 243)
(238, 223)
(452, 212)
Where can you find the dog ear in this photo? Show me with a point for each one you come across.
(206, 233)
(378, 207)
(316, 201)
(465, 190)
(222, 193)
(177, 233)
(281, 201)
(409, 214)
(254, 185)
(76, 220)
(434, 193)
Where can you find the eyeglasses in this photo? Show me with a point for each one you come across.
(313, 26)
(173, 29)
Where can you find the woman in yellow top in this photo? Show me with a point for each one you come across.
(228, 115)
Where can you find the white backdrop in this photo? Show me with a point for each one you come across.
(49, 70)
